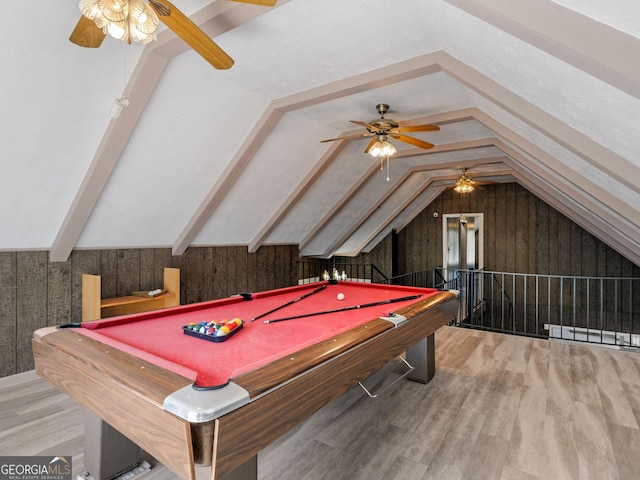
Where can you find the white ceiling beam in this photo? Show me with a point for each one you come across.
(621, 215)
(617, 167)
(598, 49)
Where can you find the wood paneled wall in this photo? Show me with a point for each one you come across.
(35, 293)
(522, 234)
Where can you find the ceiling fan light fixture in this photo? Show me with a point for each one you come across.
(382, 148)
(126, 20)
(464, 184)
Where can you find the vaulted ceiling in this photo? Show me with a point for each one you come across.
(544, 93)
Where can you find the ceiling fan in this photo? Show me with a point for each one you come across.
(137, 20)
(464, 184)
(381, 128)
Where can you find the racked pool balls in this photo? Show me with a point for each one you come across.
(215, 328)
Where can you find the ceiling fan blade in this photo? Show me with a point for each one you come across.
(370, 144)
(368, 126)
(413, 141)
(265, 3)
(87, 34)
(417, 128)
(348, 137)
(191, 34)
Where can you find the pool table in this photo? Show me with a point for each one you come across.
(194, 401)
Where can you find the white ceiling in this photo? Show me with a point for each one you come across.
(539, 92)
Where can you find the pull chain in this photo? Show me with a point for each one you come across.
(388, 178)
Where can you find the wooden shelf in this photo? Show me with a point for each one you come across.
(93, 307)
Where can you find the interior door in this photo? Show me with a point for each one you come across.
(463, 247)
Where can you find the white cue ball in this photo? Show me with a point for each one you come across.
(341, 296)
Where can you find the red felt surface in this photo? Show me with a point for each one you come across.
(157, 336)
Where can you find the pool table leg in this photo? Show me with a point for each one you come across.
(106, 451)
(422, 357)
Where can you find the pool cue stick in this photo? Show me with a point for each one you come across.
(352, 307)
(302, 297)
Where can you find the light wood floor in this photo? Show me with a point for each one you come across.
(499, 407)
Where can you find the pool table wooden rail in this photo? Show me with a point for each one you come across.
(263, 379)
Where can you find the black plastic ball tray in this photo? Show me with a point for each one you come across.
(211, 338)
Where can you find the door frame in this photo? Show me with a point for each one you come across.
(478, 227)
